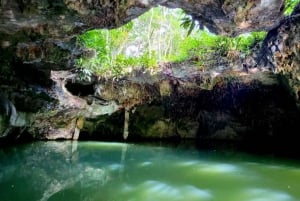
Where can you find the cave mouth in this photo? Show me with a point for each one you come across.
(157, 38)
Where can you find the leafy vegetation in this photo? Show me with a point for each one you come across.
(205, 43)
(290, 5)
(188, 23)
(160, 35)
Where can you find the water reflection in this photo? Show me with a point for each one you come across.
(119, 172)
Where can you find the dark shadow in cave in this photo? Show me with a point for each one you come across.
(32, 75)
(77, 89)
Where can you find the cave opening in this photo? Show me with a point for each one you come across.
(158, 39)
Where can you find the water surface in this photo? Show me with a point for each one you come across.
(94, 171)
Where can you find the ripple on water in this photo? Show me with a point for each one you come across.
(220, 168)
(156, 190)
(104, 145)
(211, 167)
(115, 167)
(189, 163)
(257, 194)
(146, 163)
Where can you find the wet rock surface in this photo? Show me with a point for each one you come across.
(281, 51)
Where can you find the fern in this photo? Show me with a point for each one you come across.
(290, 5)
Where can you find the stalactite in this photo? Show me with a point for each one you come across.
(126, 123)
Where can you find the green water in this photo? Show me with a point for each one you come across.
(93, 171)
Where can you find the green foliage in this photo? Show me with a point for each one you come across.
(290, 5)
(85, 74)
(111, 58)
(93, 39)
(155, 36)
(188, 23)
(126, 61)
(244, 43)
(205, 43)
(148, 60)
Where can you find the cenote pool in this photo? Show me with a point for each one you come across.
(94, 171)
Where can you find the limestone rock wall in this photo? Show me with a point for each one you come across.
(38, 40)
(248, 107)
(281, 52)
(232, 17)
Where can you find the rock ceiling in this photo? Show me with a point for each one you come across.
(60, 17)
(40, 32)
